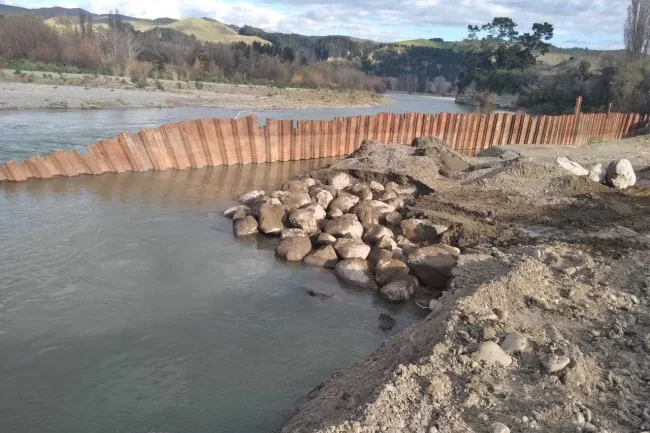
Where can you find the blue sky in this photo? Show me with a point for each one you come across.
(595, 24)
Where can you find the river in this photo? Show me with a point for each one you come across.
(126, 305)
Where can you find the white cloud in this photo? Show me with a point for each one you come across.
(388, 20)
(9, 2)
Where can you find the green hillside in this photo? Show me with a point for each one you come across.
(428, 43)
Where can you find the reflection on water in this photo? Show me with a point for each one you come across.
(126, 305)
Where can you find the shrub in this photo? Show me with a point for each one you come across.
(159, 85)
(198, 85)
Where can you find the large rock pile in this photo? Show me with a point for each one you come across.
(357, 228)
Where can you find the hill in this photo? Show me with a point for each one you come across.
(431, 43)
(204, 29)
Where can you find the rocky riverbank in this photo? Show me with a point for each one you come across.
(538, 282)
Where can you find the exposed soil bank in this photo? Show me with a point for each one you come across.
(545, 324)
(90, 92)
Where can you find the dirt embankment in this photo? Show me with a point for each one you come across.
(60, 91)
(545, 325)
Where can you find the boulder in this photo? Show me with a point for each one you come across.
(378, 254)
(393, 219)
(295, 201)
(334, 213)
(393, 187)
(514, 343)
(345, 226)
(432, 265)
(386, 195)
(388, 270)
(231, 211)
(344, 202)
(356, 272)
(321, 196)
(620, 174)
(351, 249)
(326, 239)
(325, 257)
(317, 210)
(340, 181)
(296, 187)
(387, 243)
(381, 207)
(402, 288)
(273, 200)
(491, 353)
(304, 219)
(280, 194)
(251, 196)
(271, 218)
(361, 190)
(376, 186)
(290, 233)
(377, 232)
(571, 166)
(419, 230)
(245, 226)
(239, 215)
(597, 173)
(294, 249)
(367, 214)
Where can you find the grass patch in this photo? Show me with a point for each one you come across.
(61, 68)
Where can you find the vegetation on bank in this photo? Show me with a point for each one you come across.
(495, 58)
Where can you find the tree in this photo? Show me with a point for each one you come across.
(637, 29)
(133, 47)
(115, 35)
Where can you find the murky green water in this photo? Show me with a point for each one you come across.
(127, 306)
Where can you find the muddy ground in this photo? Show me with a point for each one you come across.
(557, 263)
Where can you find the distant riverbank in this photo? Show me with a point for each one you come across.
(54, 91)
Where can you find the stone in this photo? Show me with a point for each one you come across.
(381, 207)
(294, 249)
(514, 343)
(290, 233)
(419, 230)
(378, 254)
(231, 211)
(387, 243)
(386, 321)
(367, 215)
(376, 186)
(432, 265)
(497, 427)
(491, 353)
(361, 190)
(326, 239)
(295, 201)
(325, 257)
(597, 173)
(271, 218)
(304, 219)
(321, 196)
(571, 166)
(295, 186)
(274, 200)
(388, 270)
(351, 249)
(356, 272)
(435, 305)
(393, 219)
(554, 363)
(317, 210)
(405, 244)
(340, 181)
(239, 215)
(393, 187)
(387, 195)
(344, 202)
(251, 197)
(620, 174)
(402, 288)
(377, 232)
(346, 225)
(280, 194)
(245, 226)
(334, 213)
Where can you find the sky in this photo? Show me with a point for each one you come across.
(596, 24)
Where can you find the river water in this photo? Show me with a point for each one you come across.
(126, 305)
(25, 133)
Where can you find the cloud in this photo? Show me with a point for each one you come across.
(386, 20)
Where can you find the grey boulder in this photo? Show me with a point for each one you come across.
(432, 265)
(356, 272)
(620, 174)
(402, 288)
(245, 226)
(271, 218)
(294, 249)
